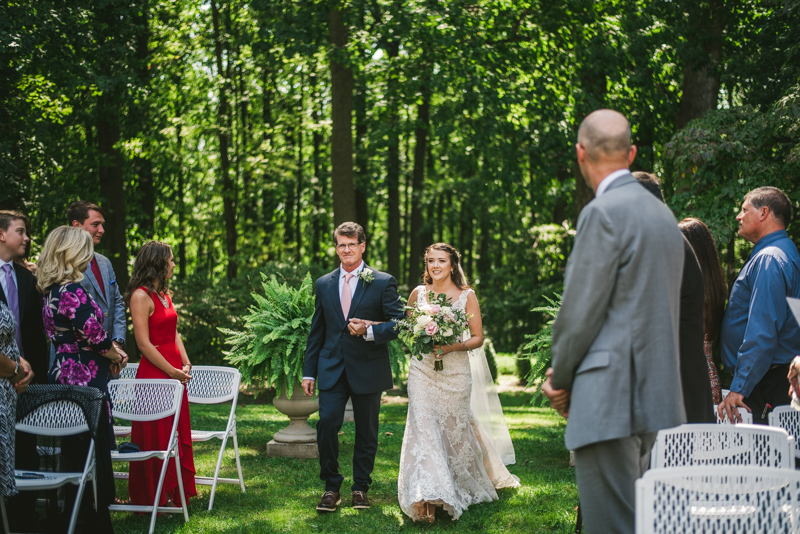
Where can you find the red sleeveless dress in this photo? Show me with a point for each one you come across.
(154, 435)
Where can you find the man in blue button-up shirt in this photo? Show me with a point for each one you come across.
(759, 336)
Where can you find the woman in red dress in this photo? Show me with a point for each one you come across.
(155, 328)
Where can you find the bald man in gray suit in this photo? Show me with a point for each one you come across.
(616, 374)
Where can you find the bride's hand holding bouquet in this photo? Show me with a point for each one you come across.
(432, 327)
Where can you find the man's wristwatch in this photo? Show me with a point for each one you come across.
(119, 341)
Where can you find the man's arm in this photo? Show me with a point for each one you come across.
(316, 338)
(589, 283)
(117, 306)
(766, 315)
(392, 308)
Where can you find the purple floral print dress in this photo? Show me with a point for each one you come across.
(74, 323)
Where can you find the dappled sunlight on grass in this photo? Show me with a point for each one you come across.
(282, 492)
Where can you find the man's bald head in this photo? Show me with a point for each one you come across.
(605, 134)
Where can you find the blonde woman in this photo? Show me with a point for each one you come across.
(72, 320)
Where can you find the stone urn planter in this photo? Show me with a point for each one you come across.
(298, 440)
(298, 409)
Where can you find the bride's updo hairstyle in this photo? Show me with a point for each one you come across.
(457, 276)
(150, 269)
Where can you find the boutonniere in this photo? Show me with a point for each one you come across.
(367, 275)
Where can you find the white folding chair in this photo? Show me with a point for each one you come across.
(747, 417)
(711, 444)
(215, 385)
(787, 418)
(128, 373)
(150, 400)
(718, 499)
(59, 418)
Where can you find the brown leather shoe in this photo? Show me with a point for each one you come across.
(329, 501)
(360, 501)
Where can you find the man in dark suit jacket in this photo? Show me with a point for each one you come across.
(697, 397)
(347, 356)
(18, 280)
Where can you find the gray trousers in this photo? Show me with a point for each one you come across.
(607, 473)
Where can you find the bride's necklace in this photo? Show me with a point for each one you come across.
(163, 300)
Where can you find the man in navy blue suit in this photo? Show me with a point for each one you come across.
(348, 358)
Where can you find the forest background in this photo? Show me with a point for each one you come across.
(241, 132)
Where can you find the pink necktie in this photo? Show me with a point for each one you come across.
(346, 298)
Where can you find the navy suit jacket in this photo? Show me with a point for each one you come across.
(331, 348)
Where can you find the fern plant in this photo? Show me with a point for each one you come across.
(538, 348)
(271, 348)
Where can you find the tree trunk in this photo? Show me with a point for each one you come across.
(112, 185)
(112, 180)
(228, 192)
(267, 193)
(319, 209)
(362, 161)
(420, 152)
(701, 79)
(298, 235)
(142, 165)
(344, 196)
(393, 182)
(181, 204)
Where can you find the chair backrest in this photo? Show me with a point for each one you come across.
(145, 399)
(711, 444)
(59, 418)
(747, 417)
(787, 418)
(721, 499)
(129, 372)
(211, 384)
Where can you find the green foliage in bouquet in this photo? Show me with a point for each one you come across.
(271, 348)
(436, 322)
(538, 348)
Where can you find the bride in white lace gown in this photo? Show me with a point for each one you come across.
(448, 458)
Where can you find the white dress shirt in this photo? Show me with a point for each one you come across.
(608, 180)
(352, 287)
(3, 277)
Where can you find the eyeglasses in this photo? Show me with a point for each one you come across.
(345, 246)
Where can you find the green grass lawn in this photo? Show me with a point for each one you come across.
(282, 493)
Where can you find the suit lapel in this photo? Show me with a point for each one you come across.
(333, 288)
(22, 289)
(90, 275)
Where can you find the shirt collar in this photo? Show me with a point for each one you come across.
(11, 263)
(605, 182)
(358, 269)
(768, 239)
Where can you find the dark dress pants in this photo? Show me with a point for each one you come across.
(773, 389)
(366, 408)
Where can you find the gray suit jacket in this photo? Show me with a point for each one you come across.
(615, 340)
(112, 304)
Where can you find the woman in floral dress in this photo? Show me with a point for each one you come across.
(72, 320)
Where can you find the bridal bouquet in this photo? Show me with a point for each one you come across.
(435, 323)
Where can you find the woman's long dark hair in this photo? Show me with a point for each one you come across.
(150, 269)
(716, 290)
(457, 276)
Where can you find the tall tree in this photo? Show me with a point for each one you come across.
(343, 188)
(420, 152)
(223, 128)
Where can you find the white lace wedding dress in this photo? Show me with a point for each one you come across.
(448, 458)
